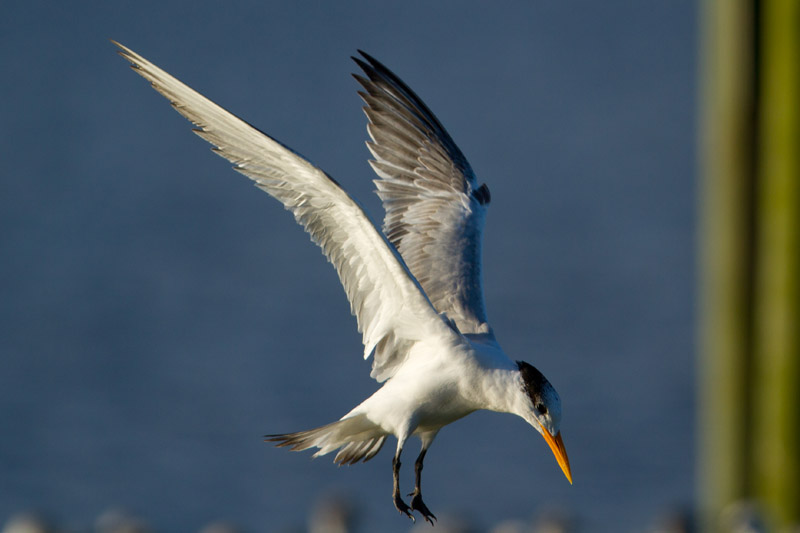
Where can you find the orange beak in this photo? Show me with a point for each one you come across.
(557, 445)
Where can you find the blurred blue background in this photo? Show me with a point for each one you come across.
(159, 314)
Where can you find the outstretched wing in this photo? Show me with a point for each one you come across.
(434, 209)
(391, 309)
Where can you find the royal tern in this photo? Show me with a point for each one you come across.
(415, 288)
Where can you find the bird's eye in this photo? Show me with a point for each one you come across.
(542, 408)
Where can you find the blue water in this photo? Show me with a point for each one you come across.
(159, 314)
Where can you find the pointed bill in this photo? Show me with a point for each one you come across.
(557, 445)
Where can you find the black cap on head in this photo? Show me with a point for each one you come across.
(534, 384)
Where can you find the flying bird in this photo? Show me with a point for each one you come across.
(415, 288)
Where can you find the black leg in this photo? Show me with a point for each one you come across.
(399, 504)
(416, 497)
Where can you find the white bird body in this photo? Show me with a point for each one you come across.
(415, 288)
(440, 383)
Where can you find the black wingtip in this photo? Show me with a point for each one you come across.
(363, 66)
(377, 65)
(366, 56)
(374, 64)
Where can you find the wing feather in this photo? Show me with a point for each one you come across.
(434, 209)
(391, 308)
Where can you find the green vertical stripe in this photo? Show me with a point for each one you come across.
(777, 354)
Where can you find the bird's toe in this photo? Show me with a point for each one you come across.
(401, 506)
(418, 505)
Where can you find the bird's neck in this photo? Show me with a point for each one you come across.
(495, 382)
(500, 391)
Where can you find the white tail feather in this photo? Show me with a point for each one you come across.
(356, 438)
